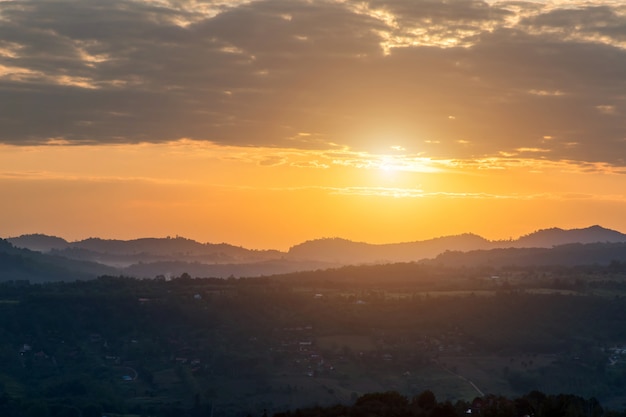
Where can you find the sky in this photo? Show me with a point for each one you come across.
(267, 123)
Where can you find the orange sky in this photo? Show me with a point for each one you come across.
(216, 193)
(268, 123)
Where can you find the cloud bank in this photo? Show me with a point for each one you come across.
(439, 79)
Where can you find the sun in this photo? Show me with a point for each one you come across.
(389, 166)
(391, 170)
(400, 169)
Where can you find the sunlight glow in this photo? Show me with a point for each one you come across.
(257, 187)
(264, 122)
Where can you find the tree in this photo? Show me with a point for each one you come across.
(426, 400)
(389, 399)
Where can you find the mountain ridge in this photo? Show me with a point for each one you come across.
(540, 237)
(556, 236)
(18, 264)
(148, 257)
(360, 252)
(566, 255)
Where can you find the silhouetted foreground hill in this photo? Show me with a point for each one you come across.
(425, 404)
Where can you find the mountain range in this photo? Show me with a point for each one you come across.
(150, 257)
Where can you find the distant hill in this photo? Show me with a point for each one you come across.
(346, 252)
(572, 254)
(547, 238)
(146, 258)
(124, 253)
(169, 247)
(17, 264)
(38, 242)
(149, 257)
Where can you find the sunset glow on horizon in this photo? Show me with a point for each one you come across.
(268, 123)
(275, 198)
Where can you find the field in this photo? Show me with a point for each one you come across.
(135, 346)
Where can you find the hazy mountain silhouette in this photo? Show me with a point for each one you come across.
(572, 254)
(553, 237)
(149, 257)
(345, 252)
(17, 264)
(172, 247)
(123, 253)
(38, 242)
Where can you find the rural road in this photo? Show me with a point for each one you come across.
(482, 394)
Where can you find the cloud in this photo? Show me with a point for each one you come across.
(360, 75)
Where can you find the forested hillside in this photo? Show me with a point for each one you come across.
(425, 404)
(122, 346)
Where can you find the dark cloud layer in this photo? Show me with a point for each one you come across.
(449, 79)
